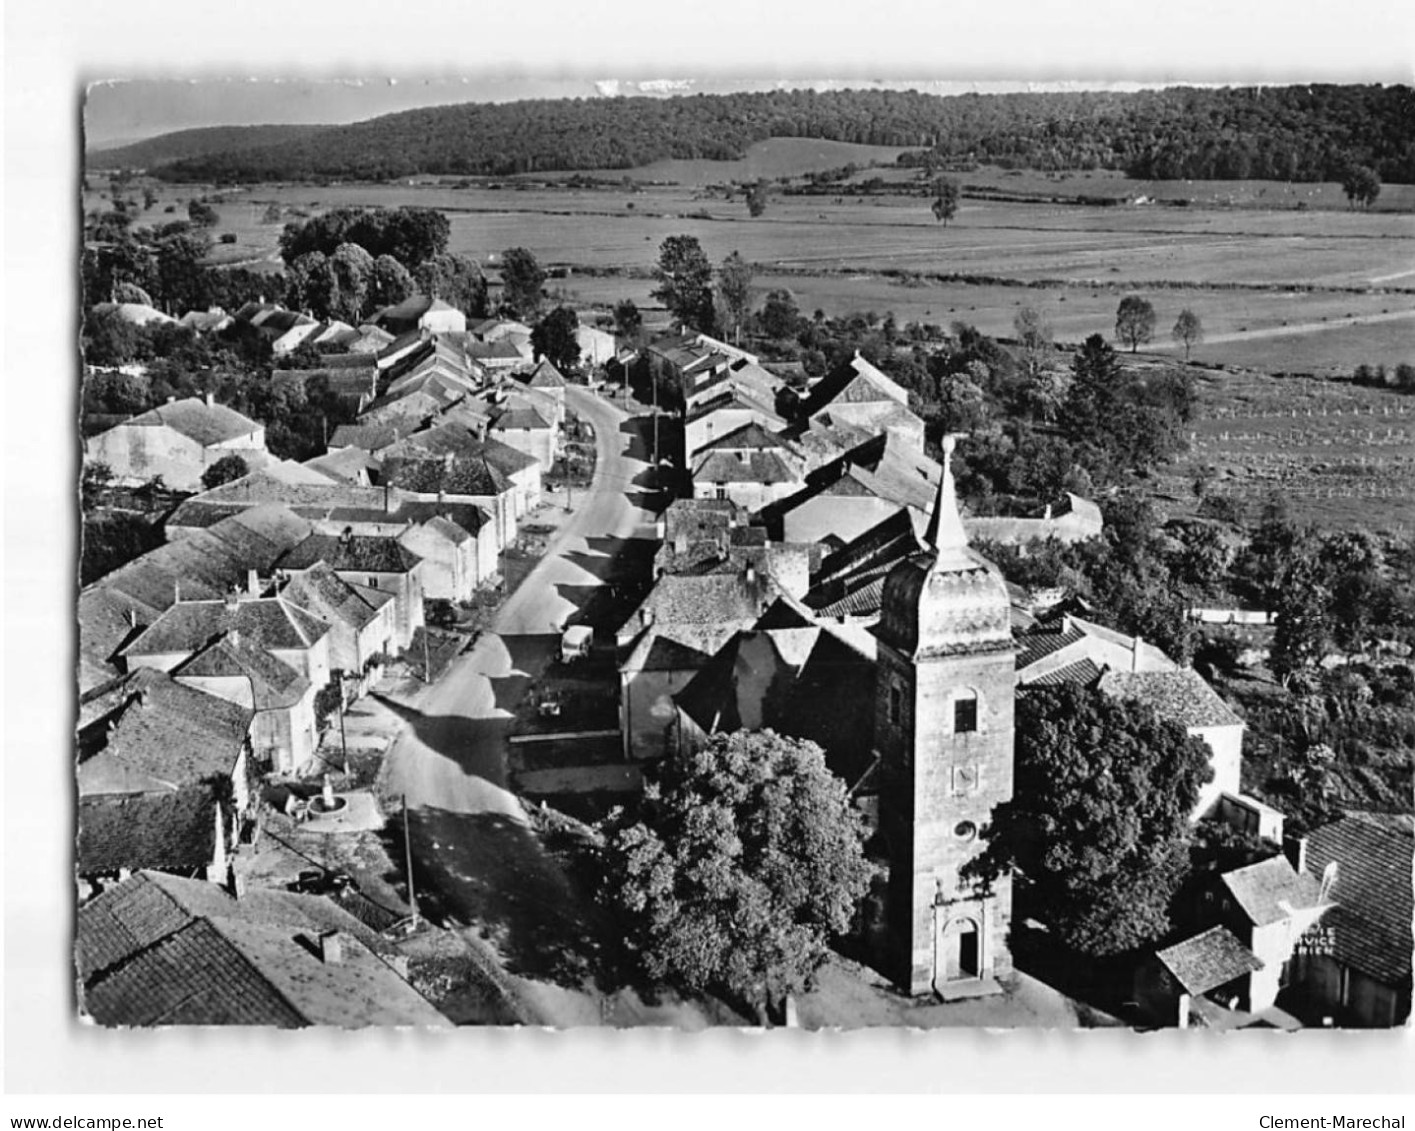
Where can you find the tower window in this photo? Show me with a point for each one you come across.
(896, 704)
(965, 715)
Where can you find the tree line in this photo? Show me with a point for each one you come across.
(1305, 133)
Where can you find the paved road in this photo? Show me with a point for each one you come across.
(474, 852)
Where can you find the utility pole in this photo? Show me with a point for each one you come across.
(343, 738)
(408, 851)
(427, 664)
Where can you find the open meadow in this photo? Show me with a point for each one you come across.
(1340, 455)
(1318, 289)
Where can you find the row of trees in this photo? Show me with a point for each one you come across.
(1306, 133)
(1135, 325)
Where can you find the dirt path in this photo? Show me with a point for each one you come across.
(1294, 330)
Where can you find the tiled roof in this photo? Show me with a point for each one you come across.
(1082, 672)
(1034, 646)
(864, 600)
(172, 831)
(855, 381)
(150, 723)
(370, 437)
(545, 376)
(1181, 696)
(199, 421)
(270, 622)
(350, 465)
(1371, 923)
(1269, 891)
(461, 475)
(158, 950)
(766, 467)
(275, 685)
(689, 599)
(521, 417)
(1208, 961)
(747, 437)
(322, 592)
(352, 552)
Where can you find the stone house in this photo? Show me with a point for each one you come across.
(371, 561)
(1172, 987)
(544, 386)
(162, 950)
(420, 313)
(750, 466)
(178, 441)
(728, 410)
(1357, 971)
(362, 622)
(518, 424)
(162, 777)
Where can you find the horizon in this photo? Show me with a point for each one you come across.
(119, 112)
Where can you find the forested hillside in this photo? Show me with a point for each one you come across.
(1306, 133)
(187, 144)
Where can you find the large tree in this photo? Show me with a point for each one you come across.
(522, 278)
(628, 321)
(746, 858)
(1134, 321)
(734, 287)
(780, 316)
(945, 193)
(456, 280)
(352, 268)
(1362, 185)
(225, 470)
(1099, 819)
(684, 275)
(389, 284)
(756, 197)
(1188, 330)
(553, 338)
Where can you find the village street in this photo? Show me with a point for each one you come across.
(477, 859)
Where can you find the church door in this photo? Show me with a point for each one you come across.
(959, 954)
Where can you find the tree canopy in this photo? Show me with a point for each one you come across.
(409, 235)
(1099, 819)
(1362, 185)
(1188, 330)
(522, 280)
(553, 338)
(744, 861)
(684, 275)
(225, 470)
(945, 193)
(734, 287)
(1134, 322)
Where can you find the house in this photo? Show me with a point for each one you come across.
(1357, 970)
(858, 394)
(1212, 965)
(178, 441)
(373, 561)
(497, 357)
(162, 777)
(728, 408)
(420, 312)
(448, 463)
(1181, 696)
(799, 679)
(284, 731)
(518, 424)
(546, 386)
(597, 347)
(211, 321)
(362, 622)
(682, 623)
(458, 557)
(750, 466)
(205, 563)
(679, 364)
(1074, 520)
(309, 332)
(1269, 907)
(134, 313)
(161, 950)
(346, 465)
(285, 631)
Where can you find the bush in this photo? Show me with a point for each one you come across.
(228, 237)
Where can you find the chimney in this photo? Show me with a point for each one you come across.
(1134, 653)
(1295, 849)
(210, 399)
(387, 500)
(171, 400)
(331, 948)
(253, 582)
(680, 542)
(233, 600)
(1047, 515)
(645, 617)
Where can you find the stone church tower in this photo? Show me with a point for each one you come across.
(944, 732)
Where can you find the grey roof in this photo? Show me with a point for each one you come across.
(1370, 926)
(1209, 960)
(322, 592)
(159, 950)
(1181, 696)
(171, 830)
(1270, 890)
(199, 421)
(147, 723)
(275, 685)
(270, 622)
(361, 553)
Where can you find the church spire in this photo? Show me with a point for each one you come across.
(945, 533)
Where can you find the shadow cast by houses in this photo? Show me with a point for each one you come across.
(490, 870)
(476, 746)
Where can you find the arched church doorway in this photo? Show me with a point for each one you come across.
(959, 954)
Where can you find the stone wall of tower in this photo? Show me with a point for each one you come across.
(938, 788)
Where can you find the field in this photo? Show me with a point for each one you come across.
(1341, 455)
(1318, 290)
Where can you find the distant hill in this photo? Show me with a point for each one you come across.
(186, 145)
(1298, 133)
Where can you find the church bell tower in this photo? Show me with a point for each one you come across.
(946, 680)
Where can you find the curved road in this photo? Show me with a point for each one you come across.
(471, 841)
